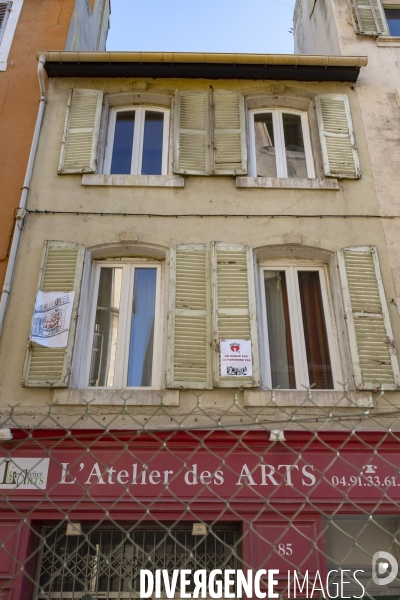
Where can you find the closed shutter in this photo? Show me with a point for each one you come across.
(234, 307)
(189, 362)
(339, 150)
(5, 8)
(367, 317)
(60, 271)
(230, 147)
(81, 133)
(369, 17)
(192, 133)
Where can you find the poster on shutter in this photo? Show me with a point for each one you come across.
(236, 358)
(52, 318)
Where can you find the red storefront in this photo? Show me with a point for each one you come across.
(266, 500)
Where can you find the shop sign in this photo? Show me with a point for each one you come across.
(24, 473)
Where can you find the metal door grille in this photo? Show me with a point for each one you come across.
(105, 563)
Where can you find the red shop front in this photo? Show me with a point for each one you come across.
(290, 505)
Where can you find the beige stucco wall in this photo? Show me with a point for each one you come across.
(308, 233)
(377, 92)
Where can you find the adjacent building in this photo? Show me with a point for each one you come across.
(200, 329)
(24, 26)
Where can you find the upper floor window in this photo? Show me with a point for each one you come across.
(393, 20)
(280, 144)
(124, 326)
(299, 337)
(5, 8)
(137, 141)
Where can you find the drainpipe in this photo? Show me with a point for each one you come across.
(24, 196)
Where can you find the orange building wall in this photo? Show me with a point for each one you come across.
(43, 24)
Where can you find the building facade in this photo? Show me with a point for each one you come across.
(24, 26)
(200, 328)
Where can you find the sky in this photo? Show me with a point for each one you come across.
(261, 26)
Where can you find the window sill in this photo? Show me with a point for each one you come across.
(300, 398)
(113, 397)
(134, 180)
(388, 40)
(287, 183)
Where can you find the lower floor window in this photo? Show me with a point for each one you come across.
(124, 326)
(298, 344)
(106, 563)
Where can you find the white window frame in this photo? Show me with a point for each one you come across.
(123, 335)
(280, 155)
(296, 320)
(8, 31)
(137, 150)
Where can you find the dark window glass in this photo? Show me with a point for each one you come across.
(123, 143)
(142, 328)
(294, 145)
(315, 335)
(393, 20)
(279, 334)
(152, 143)
(265, 145)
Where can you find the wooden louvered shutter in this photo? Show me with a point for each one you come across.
(192, 133)
(367, 317)
(60, 271)
(5, 8)
(339, 150)
(81, 133)
(369, 17)
(234, 307)
(189, 362)
(230, 146)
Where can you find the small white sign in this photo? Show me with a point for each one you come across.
(236, 358)
(52, 318)
(24, 473)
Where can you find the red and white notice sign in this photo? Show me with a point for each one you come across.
(236, 358)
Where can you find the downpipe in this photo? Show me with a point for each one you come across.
(19, 219)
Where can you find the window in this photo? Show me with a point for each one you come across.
(5, 8)
(137, 141)
(125, 326)
(106, 562)
(299, 341)
(393, 20)
(280, 144)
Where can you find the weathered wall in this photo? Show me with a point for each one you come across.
(201, 195)
(89, 25)
(314, 28)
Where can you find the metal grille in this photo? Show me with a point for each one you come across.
(105, 563)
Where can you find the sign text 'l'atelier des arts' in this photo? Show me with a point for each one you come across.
(236, 475)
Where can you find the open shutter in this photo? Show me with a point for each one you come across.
(5, 8)
(369, 17)
(230, 146)
(339, 150)
(234, 312)
(192, 133)
(189, 362)
(81, 133)
(60, 271)
(367, 317)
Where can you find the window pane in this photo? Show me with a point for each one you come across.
(316, 339)
(140, 365)
(279, 334)
(265, 145)
(294, 146)
(152, 143)
(123, 143)
(106, 328)
(393, 20)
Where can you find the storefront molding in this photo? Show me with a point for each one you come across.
(305, 398)
(117, 397)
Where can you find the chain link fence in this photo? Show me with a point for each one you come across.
(94, 496)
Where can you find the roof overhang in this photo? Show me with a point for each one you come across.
(298, 67)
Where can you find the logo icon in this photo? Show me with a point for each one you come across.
(369, 469)
(235, 347)
(381, 561)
